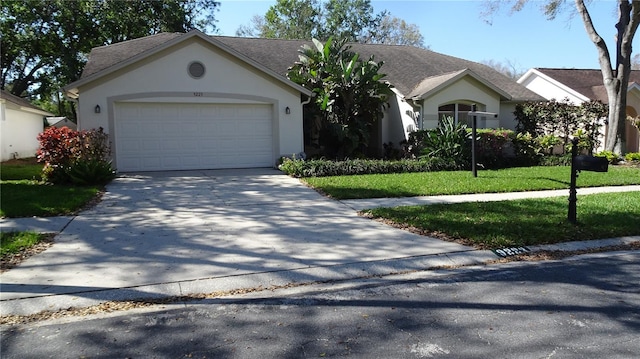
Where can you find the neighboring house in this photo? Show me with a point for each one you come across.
(192, 101)
(20, 124)
(60, 122)
(580, 85)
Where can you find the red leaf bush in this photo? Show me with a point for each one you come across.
(67, 155)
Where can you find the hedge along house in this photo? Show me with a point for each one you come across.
(584, 85)
(176, 101)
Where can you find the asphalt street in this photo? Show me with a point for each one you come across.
(580, 307)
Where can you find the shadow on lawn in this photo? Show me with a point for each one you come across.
(518, 223)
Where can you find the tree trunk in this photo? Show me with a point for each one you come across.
(616, 136)
(615, 82)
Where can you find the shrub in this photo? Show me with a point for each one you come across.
(449, 142)
(491, 146)
(611, 157)
(89, 172)
(555, 160)
(562, 119)
(323, 168)
(56, 152)
(526, 148)
(632, 157)
(547, 143)
(79, 157)
(414, 145)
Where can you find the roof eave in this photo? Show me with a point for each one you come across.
(554, 82)
(72, 89)
(466, 72)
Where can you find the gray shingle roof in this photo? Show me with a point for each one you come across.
(19, 101)
(587, 82)
(405, 66)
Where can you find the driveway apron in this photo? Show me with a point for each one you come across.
(167, 227)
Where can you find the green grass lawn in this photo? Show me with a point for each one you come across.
(461, 182)
(522, 222)
(14, 242)
(24, 195)
(21, 169)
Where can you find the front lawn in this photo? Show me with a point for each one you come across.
(521, 222)
(14, 242)
(19, 169)
(24, 195)
(461, 182)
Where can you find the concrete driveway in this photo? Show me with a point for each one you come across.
(178, 233)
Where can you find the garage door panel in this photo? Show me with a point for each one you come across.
(161, 136)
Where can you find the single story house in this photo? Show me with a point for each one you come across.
(583, 85)
(61, 121)
(20, 124)
(174, 101)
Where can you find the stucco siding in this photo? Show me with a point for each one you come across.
(506, 116)
(163, 77)
(466, 89)
(399, 120)
(19, 133)
(548, 90)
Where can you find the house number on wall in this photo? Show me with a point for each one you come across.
(197, 94)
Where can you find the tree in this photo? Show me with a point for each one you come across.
(635, 62)
(508, 68)
(45, 42)
(291, 19)
(615, 74)
(395, 31)
(353, 20)
(349, 96)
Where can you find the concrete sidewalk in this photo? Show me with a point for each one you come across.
(158, 235)
(360, 204)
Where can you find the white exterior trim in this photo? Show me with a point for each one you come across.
(550, 88)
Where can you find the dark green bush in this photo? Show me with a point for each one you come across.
(492, 147)
(322, 168)
(555, 160)
(449, 142)
(91, 172)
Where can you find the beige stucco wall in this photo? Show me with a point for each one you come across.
(506, 116)
(19, 130)
(398, 119)
(163, 77)
(467, 90)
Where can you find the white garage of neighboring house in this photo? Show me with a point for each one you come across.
(20, 124)
(188, 102)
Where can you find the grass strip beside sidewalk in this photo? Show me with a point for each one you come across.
(462, 182)
(493, 225)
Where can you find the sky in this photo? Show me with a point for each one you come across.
(523, 40)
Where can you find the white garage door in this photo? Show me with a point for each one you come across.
(170, 136)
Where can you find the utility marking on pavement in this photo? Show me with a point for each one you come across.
(513, 251)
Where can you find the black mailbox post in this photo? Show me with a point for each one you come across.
(581, 163)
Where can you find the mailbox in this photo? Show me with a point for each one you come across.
(591, 163)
